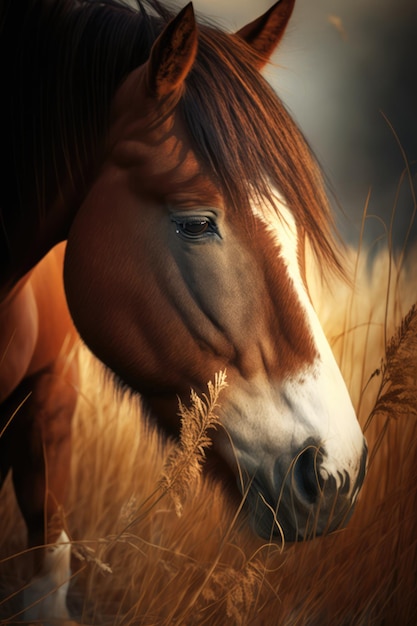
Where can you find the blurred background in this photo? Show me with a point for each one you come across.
(347, 72)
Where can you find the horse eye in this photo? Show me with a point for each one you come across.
(195, 228)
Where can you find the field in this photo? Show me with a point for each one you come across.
(153, 547)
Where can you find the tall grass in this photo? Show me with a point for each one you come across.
(153, 543)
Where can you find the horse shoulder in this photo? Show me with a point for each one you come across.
(35, 326)
(56, 332)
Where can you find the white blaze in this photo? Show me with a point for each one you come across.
(315, 403)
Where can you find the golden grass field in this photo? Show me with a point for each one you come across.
(140, 563)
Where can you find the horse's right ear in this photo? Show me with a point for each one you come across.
(265, 33)
(173, 54)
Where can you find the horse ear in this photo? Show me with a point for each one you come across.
(173, 54)
(265, 33)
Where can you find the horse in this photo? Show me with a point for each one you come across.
(152, 145)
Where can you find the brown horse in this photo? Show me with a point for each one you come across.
(186, 195)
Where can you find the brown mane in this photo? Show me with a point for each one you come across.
(67, 60)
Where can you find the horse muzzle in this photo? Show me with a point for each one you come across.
(305, 499)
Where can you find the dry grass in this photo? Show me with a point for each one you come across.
(155, 544)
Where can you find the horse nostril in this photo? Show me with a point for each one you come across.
(306, 475)
(312, 496)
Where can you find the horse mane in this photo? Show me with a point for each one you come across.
(65, 82)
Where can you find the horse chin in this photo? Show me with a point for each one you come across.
(290, 523)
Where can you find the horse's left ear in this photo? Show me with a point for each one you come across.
(265, 33)
(173, 54)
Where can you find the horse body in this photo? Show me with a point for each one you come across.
(157, 176)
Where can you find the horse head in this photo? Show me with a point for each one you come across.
(171, 278)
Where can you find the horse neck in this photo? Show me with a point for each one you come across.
(60, 64)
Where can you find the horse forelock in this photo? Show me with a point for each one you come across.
(244, 134)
